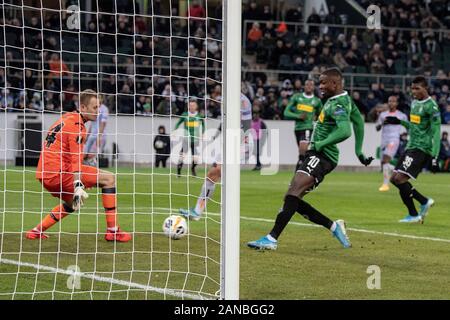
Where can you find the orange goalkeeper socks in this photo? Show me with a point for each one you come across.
(59, 212)
(109, 203)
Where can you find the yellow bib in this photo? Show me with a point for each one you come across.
(415, 119)
(192, 124)
(305, 107)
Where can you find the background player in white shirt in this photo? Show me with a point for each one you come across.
(215, 172)
(390, 139)
(96, 140)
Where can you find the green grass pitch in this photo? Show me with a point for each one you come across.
(309, 264)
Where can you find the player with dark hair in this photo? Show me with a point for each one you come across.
(303, 108)
(334, 126)
(424, 130)
(61, 172)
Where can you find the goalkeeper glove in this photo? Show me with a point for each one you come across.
(79, 195)
(365, 161)
(435, 165)
(392, 120)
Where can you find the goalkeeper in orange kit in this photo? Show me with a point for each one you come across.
(61, 172)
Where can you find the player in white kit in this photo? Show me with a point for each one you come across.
(96, 140)
(390, 139)
(215, 172)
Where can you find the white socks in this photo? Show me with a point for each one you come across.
(333, 226)
(207, 193)
(387, 169)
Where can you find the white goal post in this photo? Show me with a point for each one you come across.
(231, 145)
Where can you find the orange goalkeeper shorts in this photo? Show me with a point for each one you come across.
(61, 186)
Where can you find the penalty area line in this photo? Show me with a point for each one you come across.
(170, 292)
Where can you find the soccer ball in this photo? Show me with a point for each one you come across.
(159, 144)
(175, 227)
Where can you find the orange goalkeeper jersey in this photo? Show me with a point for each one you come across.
(62, 150)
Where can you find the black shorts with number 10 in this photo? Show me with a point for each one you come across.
(317, 166)
(412, 162)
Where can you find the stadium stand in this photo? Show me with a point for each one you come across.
(414, 40)
(279, 56)
(132, 84)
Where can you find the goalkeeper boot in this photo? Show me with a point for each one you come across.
(263, 243)
(341, 234)
(424, 209)
(190, 214)
(35, 234)
(411, 219)
(118, 235)
(384, 188)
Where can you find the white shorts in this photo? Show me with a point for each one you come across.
(389, 148)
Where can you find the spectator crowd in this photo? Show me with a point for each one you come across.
(280, 56)
(152, 62)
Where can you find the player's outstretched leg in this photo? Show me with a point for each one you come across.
(337, 228)
(425, 203)
(400, 180)
(299, 186)
(59, 212)
(206, 193)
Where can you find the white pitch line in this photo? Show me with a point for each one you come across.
(391, 234)
(171, 292)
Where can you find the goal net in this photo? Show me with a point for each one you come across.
(147, 61)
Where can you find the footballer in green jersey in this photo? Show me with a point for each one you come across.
(304, 108)
(424, 128)
(192, 121)
(335, 123)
